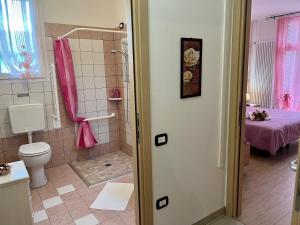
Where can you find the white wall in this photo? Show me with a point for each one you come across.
(264, 30)
(186, 168)
(97, 13)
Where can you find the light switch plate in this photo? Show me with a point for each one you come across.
(162, 202)
(161, 139)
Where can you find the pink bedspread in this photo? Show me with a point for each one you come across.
(270, 135)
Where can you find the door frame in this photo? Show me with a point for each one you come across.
(241, 22)
(142, 130)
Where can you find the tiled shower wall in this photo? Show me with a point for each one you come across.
(97, 71)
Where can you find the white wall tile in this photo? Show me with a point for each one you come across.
(98, 58)
(95, 127)
(99, 70)
(74, 45)
(79, 115)
(101, 105)
(4, 118)
(49, 123)
(21, 100)
(36, 87)
(100, 82)
(88, 82)
(37, 98)
(91, 115)
(104, 138)
(48, 98)
(49, 43)
(97, 45)
(89, 94)
(77, 70)
(81, 107)
(50, 56)
(79, 83)
(90, 106)
(87, 70)
(103, 128)
(21, 87)
(5, 89)
(5, 101)
(85, 45)
(76, 56)
(86, 58)
(103, 113)
(80, 94)
(49, 110)
(6, 130)
(47, 86)
(101, 93)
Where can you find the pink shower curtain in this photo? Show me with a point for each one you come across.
(66, 76)
(287, 65)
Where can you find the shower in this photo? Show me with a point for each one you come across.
(126, 79)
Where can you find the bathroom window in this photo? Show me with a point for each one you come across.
(21, 45)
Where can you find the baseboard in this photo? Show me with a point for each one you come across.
(212, 217)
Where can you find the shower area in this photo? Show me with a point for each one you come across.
(100, 61)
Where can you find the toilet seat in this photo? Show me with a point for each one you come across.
(34, 149)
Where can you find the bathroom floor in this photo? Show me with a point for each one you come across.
(66, 200)
(103, 168)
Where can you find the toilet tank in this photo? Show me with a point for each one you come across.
(26, 118)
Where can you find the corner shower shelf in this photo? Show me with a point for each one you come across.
(114, 99)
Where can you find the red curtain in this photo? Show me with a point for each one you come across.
(66, 76)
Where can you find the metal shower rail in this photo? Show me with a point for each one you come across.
(91, 29)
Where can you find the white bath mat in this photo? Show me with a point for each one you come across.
(114, 196)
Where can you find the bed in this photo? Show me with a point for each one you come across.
(271, 135)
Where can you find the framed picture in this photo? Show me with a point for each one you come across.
(191, 67)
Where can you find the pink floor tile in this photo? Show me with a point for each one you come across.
(114, 221)
(48, 191)
(69, 197)
(59, 215)
(103, 215)
(36, 203)
(76, 203)
(128, 217)
(78, 209)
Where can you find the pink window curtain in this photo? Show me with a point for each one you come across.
(66, 76)
(287, 65)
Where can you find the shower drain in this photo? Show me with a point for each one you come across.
(107, 164)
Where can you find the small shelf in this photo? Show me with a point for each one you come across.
(114, 99)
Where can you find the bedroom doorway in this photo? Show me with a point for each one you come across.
(264, 113)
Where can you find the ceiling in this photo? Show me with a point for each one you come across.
(264, 8)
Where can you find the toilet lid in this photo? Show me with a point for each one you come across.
(37, 148)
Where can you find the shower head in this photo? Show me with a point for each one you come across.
(116, 51)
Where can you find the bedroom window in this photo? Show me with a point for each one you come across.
(287, 68)
(20, 40)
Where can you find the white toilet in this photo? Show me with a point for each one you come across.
(26, 119)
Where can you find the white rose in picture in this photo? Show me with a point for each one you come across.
(187, 76)
(191, 57)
